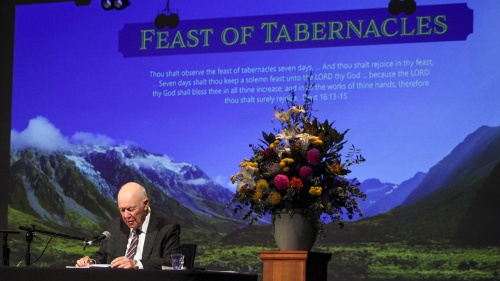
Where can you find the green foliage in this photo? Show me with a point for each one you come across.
(51, 179)
(18, 195)
(77, 221)
(397, 261)
(218, 256)
(59, 251)
(371, 261)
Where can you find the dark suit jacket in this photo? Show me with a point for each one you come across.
(162, 239)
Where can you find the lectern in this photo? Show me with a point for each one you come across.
(294, 265)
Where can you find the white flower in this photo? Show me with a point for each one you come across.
(245, 178)
(304, 140)
(288, 134)
(282, 116)
(296, 109)
(285, 115)
(280, 150)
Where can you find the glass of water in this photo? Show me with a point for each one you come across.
(177, 261)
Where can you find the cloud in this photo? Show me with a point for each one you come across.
(92, 138)
(40, 134)
(198, 181)
(225, 182)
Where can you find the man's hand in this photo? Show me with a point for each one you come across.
(85, 261)
(123, 262)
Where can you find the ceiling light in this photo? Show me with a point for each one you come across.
(166, 18)
(114, 4)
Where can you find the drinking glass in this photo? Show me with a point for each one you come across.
(177, 261)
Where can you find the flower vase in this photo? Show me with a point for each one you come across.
(294, 233)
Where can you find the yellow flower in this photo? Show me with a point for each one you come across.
(261, 184)
(244, 163)
(274, 144)
(316, 141)
(274, 198)
(233, 179)
(257, 195)
(243, 190)
(318, 191)
(315, 190)
(284, 162)
(248, 164)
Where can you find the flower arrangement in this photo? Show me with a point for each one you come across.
(299, 167)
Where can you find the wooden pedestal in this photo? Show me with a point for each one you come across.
(294, 265)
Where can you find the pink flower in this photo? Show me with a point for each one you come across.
(305, 172)
(314, 156)
(281, 182)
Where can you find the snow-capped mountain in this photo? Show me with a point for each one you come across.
(79, 187)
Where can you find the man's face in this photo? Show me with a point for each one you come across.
(132, 210)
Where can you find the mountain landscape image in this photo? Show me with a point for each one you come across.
(441, 224)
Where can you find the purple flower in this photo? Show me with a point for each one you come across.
(305, 172)
(281, 182)
(314, 156)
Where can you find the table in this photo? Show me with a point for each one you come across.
(294, 265)
(108, 274)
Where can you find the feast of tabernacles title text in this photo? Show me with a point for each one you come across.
(298, 32)
(311, 30)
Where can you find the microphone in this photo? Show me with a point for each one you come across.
(105, 235)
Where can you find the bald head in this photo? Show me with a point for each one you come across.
(133, 204)
(132, 189)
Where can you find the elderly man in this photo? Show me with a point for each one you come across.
(141, 238)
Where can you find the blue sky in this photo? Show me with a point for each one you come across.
(69, 71)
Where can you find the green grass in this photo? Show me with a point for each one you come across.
(373, 261)
(350, 261)
(58, 252)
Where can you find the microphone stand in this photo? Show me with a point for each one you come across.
(6, 249)
(29, 237)
(86, 242)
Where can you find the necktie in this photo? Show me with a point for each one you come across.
(133, 244)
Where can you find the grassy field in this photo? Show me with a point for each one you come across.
(424, 260)
(370, 261)
(374, 261)
(412, 262)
